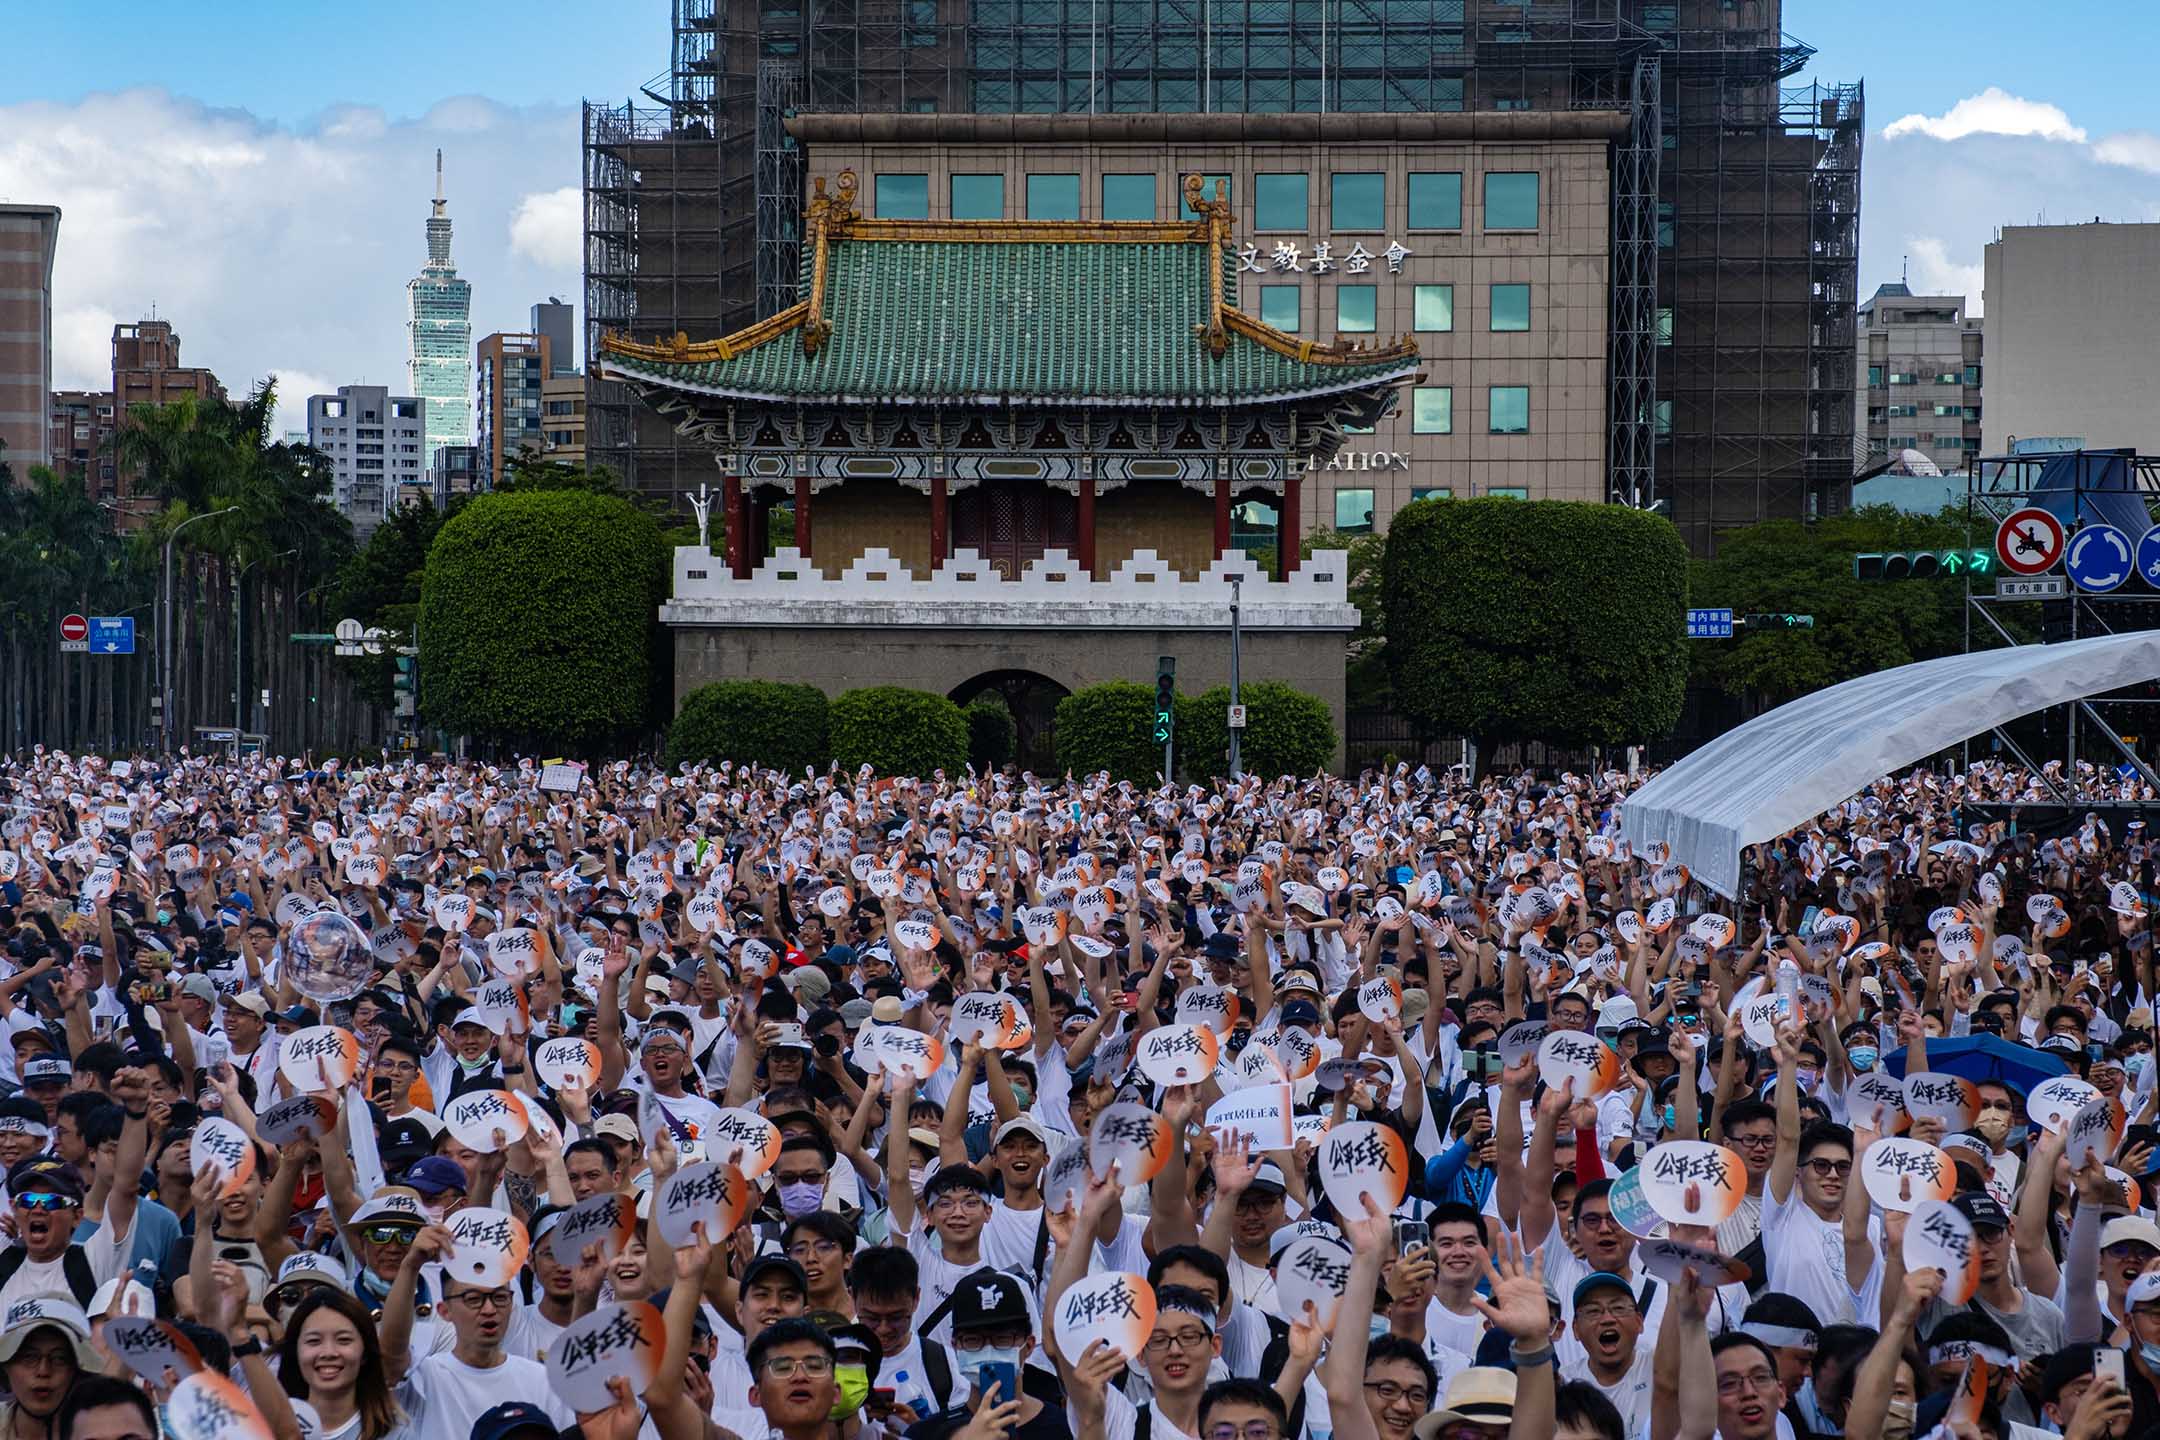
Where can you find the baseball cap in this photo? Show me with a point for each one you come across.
(765, 1264)
(1221, 945)
(809, 983)
(617, 1127)
(1297, 980)
(200, 987)
(47, 1312)
(468, 1016)
(2130, 1230)
(1600, 1280)
(435, 1175)
(1300, 1012)
(2144, 1290)
(393, 1204)
(1021, 1125)
(887, 1010)
(989, 1300)
(510, 1417)
(298, 1014)
(251, 1001)
(47, 1070)
(43, 1173)
(1981, 1208)
(1288, 1235)
(1268, 1177)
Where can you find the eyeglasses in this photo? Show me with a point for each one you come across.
(2129, 1250)
(389, 1234)
(961, 1200)
(885, 1319)
(397, 1067)
(1596, 1220)
(481, 1299)
(44, 1200)
(45, 1359)
(802, 1248)
(1624, 1310)
(1187, 1340)
(989, 1339)
(1764, 1379)
(787, 1367)
(1827, 1168)
(1250, 1430)
(1390, 1392)
(1752, 1142)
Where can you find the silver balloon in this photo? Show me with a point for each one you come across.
(328, 958)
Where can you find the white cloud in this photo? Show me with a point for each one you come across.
(2136, 149)
(549, 228)
(1933, 272)
(273, 248)
(293, 389)
(1993, 111)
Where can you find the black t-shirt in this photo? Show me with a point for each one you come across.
(1049, 1424)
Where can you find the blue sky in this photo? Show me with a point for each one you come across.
(262, 178)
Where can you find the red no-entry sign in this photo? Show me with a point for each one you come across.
(74, 627)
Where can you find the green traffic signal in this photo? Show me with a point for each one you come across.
(1923, 564)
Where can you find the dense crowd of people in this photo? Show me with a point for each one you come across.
(508, 1101)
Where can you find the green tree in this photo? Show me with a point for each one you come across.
(1366, 680)
(538, 620)
(993, 734)
(898, 731)
(1287, 732)
(528, 471)
(756, 722)
(1546, 620)
(380, 585)
(1111, 727)
(1860, 626)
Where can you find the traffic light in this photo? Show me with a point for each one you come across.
(1165, 698)
(1777, 621)
(402, 685)
(1923, 564)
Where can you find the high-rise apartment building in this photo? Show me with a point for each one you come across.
(562, 418)
(374, 442)
(440, 328)
(1920, 369)
(511, 374)
(455, 471)
(29, 237)
(557, 320)
(146, 370)
(1734, 191)
(81, 441)
(2070, 316)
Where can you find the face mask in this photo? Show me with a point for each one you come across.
(2150, 1354)
(1863, 1057)
(2137, 1065)
(1898, 1420)
(474, 1067)
(915, 1178)
(1806, 1079)
(800, 1197)
(1994, 1124)
(854, 1382)
(1671, 1117)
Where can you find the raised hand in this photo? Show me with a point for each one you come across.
(1518, 1292)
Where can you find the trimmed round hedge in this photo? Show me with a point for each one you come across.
(1287, 732)
(755, 722)
(897, 731)
(1109, 727)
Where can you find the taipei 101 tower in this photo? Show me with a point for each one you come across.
(441, 360)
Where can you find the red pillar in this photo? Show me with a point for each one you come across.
(802, 515)
(1222, 515)
(1087, 524)
(738, 527)
(1290, 533)
(940, 525)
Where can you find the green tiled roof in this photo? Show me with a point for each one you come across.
(997, 320)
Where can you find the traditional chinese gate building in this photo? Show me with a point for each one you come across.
(1008, 448)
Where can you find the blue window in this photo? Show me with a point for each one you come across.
(1128, 197)
(1510, 307)
(1511, 200)
(1358, 201)
(1432, 492)
(978, 197)
(1279, 307)
(902, 197)
(1508, 409)
(1509, 492)
(1432, 410)
(1354, 511)
(1357, 309)
(1053, 197)
(1436, 200)
(1433, 307)
(1280, 202)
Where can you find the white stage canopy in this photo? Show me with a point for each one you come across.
(1780, 770)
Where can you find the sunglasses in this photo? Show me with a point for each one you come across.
(45, 1200)
(389, 1234)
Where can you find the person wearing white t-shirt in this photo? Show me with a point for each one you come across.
(46, 1198)
(1608, 1333)
(1803, 1201)
(446, 1392)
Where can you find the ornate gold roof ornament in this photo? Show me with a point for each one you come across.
(1213, 229)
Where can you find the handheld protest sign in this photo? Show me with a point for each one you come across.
(835, 901)
(297, 1117)
(1761, 1016)
(910, 1051)
(1631, 1207)
(454, 913)
(487, 1246)
(476, 1115)
(1091, 947)
(1717, 929)
(1298, 1052)
(514, 953)
(1341, 1072)
(1939, 1237)
(759, 959)
(1668, 1260)
(1521, 1039)
(985, 1017)
(207, 1406)
(2054, 1101)
(1951, 1099)
(1310, 1127)
(1877, 1102)
(1131, 1137)
(744, 1138)
(1380, 998)
(1264, 1112)
(1111, 1306)
(567, 1060)
(1065, 1176)
(327, 957)
(1660, 916)
(150, 1346)
(915, 935)
(1693, 1182)
(1259, 1065)
(1565, 1055)
(321, 1057)
(703, 911)
(1360, 1158)
(713, 1193)
(1904, 1174)
(1332, 879)
(1042, 924)
(2097, 1128)
(225, 1148)
(1313, 1268)
(606, 1220)
(614, 1342)
(503, 1007)
(1209, 1005)
(1178, 1054)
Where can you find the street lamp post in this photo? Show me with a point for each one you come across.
(239, 691)
(1237, 771)
(165, 629)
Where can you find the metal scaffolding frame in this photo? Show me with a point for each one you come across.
(1753, 191)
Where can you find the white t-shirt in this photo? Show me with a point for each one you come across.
(1254, 1286)
(1630, 1394)
(1121, 1420)
(530, 1333)
(1456, 1332)
(1806, 1255)
(443, 1395)
(49, 1277)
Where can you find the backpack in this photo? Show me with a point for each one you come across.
(937, 1373)
(74, 1266)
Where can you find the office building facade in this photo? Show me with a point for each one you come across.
(374, 443)
(1920, 368)
(558, 321)
(2070, 316)
(1733, 241)
(562, 418)
(80, 441)
(510, 373)
(29, 238)
(146, 370)
(439, 331)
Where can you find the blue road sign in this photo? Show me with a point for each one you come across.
(112, 634)
(2098, 558)
(1709, 625)
(2148, 556)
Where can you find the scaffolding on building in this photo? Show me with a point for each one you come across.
(1733, 202)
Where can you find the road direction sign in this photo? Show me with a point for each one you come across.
(1237, 717)
(74, 633)
(2029, 541)
(112, 634)
(2039, 587)
(1710, 624)
(2098, 558)
(2148, 556)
